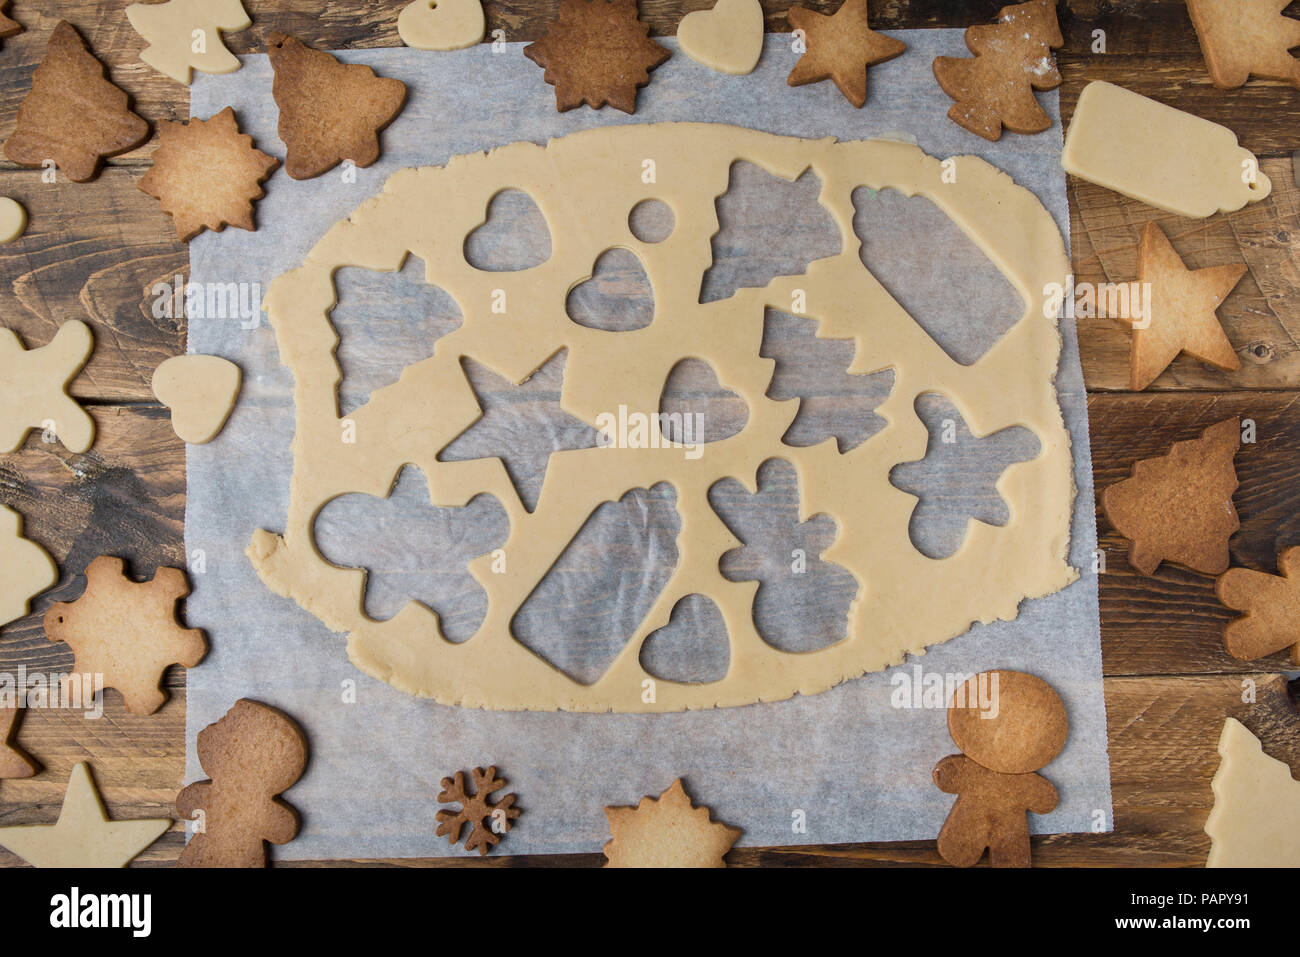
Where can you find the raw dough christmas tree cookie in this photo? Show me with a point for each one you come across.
(200, 391)
(840, 47)
(13, 219)
(667, 831)
(26, 569)
(1183, 317)
(1159, 155)
(1241, 37)
(185, 35)
(728, 38)
(73, 114)
(329, 111)
(33, 384)
(1178, 507)
(1256, 817)
(597, 52)
(252, 755)
(1271, 603)
(206, 174)
(8, 27)
(127, 631)
(84, 836)
(1013, 57)
(487, 819)
(14, 761)
(441, 24)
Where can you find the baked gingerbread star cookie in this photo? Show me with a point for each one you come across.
(840, 47)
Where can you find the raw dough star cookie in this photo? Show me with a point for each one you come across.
(200, 391)
(727, 38)
(1256, 817)
(206, 174)
(667, 831)
(1271, 604)
(127, 631)
(26, 569)
(597, 52)
(840, 47)
(73, 114)
(1183, 318)
(441, 24)
(84, 836)
(1241, 37)
(185, 35)
(33, 388)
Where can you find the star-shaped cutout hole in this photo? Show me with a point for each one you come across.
(1183, 311)
(840, 47)
(522, 425)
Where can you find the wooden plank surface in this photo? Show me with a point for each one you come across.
(92, 250)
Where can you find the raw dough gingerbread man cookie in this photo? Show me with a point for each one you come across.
(33, 388)
(26, 569)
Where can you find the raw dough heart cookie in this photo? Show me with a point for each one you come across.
(185, 35)
(840, 48)
(33, 388)
(728, 38)
(579, 189)
(1241, 37)
(441, 24)
(1256, 817)
(667, 831)
(1271, 603)
(200, 391)
(26, 569)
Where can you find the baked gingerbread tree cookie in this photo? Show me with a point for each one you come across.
(127, 631)
(1244, 37)
(1008, 725)
(251, 756)
(329, 111)
(206, 174)
(1013, 58)
(667, 831)
(73, 114)
(487, 819)
(840, 47)
(1271, 606)
(597, 52)
(1178, 506)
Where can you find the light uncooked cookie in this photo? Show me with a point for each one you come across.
(33, 388)
(1256, 817)
(13, 219)
(1159, 155)
(907, 601)
(185, 35)
(84, 836)
(201, 393)
(441, 24)
(26, 569)
(667, 831)
(728, 38)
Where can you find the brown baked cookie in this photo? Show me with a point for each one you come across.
(14, 761)
(1243, 37)
(1271, 604)
(127, 631)
(840, 47)
(989, 813)
(1013, 57)
(206, 174)
(73, 115)
(251, 756)
(597, 52)
(329, 111)
(1178, 507)
(487, 819)
(667, 831)
(8, 27)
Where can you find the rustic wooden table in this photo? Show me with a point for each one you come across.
(91, 249)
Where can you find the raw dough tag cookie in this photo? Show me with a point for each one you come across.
(441, 24)
(579, 189)
(727, 38)
(127, 631)
(185, 35)
(1241, 37)
(84, 836)
(1177, 507)
(73, 115)
(33, 388)
(200, 391)
(26, 569)
(1159, 155)
(667, 831)
(840, 47)
(1271, 606)
(1256, 817)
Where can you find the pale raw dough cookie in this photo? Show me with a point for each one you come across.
(84, 836)
(13, 219)
(33, 386)
(906, 600)
(201, 393)
(173, 30)
(728, 38)
(1159, 155)
(667, 831)
(441, 24)
(1256, 817)
(26, 569)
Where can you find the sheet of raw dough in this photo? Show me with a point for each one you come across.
(858, 768)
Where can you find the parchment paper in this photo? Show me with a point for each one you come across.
(847, 762)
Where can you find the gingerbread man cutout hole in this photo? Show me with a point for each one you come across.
(1008, 726)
